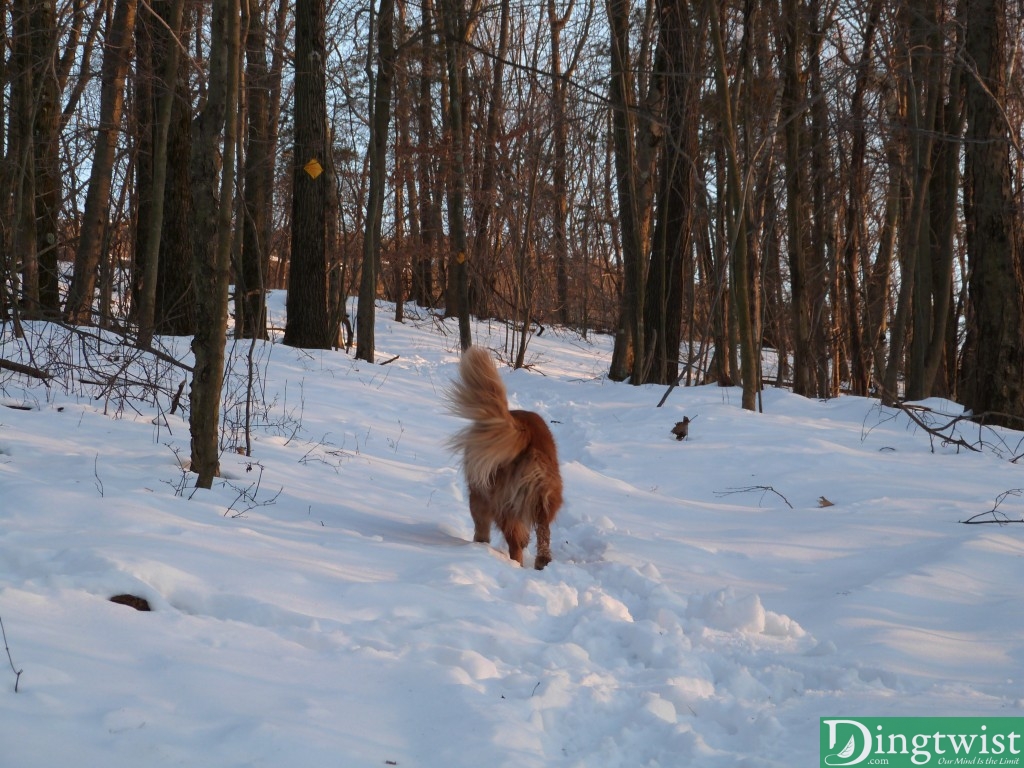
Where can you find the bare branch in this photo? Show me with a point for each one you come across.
(763, 488)
(997, 517)
(17, 672)
(947, 437)
(27, 370)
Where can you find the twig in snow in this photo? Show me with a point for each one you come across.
(17, 672)
(96, 474)
(998, 517)
(248, 494)
(947, 438)
(763, 488)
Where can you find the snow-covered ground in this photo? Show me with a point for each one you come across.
(322, 605)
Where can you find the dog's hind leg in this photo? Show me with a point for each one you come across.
(543, 545)
(480, 509)
(517, 534)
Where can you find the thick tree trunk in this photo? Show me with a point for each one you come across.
(308, 317)
(993, 373)
(46, 161)
(925, 109)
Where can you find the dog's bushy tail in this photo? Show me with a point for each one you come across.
(493, 438)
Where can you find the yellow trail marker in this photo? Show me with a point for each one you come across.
(313, 168)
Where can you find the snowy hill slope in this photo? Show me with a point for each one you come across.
(702, 608)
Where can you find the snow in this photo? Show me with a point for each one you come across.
(323, 604)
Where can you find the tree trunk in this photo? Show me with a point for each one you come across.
(634, 149)
(793, 110)
(428, 197)
(159, 59)
(253, 271)
(380, 122)
(853, 256)
(940, 357)
(308, 317)
(21, 156)
(485, 197)
(672, 244)
(924, 102)
(175, 309)
(993, 373)
(46, 161)
(458, 31)
(212, 266)
(736, 229)
(8, 132)
(823, 275)
(560, 140)
(78, 307)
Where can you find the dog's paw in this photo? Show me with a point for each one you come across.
(541, 561)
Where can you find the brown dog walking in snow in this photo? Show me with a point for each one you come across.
(509, 459)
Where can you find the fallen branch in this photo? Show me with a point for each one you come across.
(912, 413)
(763, 488)
(27, 370)
(998, 517)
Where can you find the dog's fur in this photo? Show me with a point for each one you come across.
(509, 459)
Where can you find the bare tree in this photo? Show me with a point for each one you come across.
(458, 25)
(165, 300)
(681, 45)
(383, 51)
(116, 58)
(428, 197)
(855, 237)
(736, 224)
(635, 142)
(217, 136)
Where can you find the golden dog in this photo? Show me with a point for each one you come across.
(509, 459)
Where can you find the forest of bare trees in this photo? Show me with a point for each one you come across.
(838, 183)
